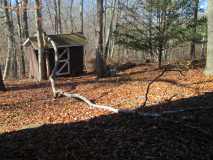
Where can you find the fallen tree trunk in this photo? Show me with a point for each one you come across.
(72, 95)
(137, 110)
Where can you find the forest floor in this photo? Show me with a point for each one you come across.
(34, 125)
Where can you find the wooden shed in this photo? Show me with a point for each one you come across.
(70, 50)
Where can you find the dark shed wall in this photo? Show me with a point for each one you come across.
(76, 59)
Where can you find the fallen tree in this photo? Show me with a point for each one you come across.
(59, 92)
(138, 110)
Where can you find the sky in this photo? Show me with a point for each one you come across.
(203, 4)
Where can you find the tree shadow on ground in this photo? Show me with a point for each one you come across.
(70, 81)
(43, 85)
(120, 136)
(119, 79)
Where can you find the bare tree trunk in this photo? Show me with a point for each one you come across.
(56, 16)
(71, 17)
(25, 19)
(160, 50)
(209, 58)
(196, 6)
(100, 62)
(11, 62)
(41, 54)
(59, 17)
(118, 14)
(57, 9)
(150, 30)
(2, 86)
(82, 15)
(109, 35)
(21, 56)
(50, 15)
(105, 22)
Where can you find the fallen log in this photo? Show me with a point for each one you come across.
(58, 92)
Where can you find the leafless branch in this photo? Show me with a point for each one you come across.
(72, 95)
(154, 80)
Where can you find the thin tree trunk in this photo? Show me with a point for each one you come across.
(100, 62)
(11, 62)
(118, 14)
(25, 19)
(49, 13)
(150, 30)
(109, 35)
(105, 22)
(59, 17)
(196, 5)
(41, 54)
(82, 16)
(2, 86)
(56, 16)
(71, 17)
(160, 50)
(21, 56)
(202, 58)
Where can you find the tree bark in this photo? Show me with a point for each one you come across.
(2, 86)
(160, 57)
(41, 54)
(25, 19)
(150, 3)
(59, 17)
(21, 55)
(82, 16)
(71, 17)
(196, 6)
(100, 62)
(10, 70)
(49, 14)
(56, 16)
(109, 35)
(209, 59)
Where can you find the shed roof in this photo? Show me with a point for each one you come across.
(60, 40)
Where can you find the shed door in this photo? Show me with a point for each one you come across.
(64, 62)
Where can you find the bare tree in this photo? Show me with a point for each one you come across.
(82, 16)
(56, 15)
(20, 30)
(70, 15)
(59, 16)
(41, 53)
(50, 14)
(110, 31)
(25, 19)
(57, 9)
(2, 86)
(100, 62)
(150, 19)
(195, 12)
(11, 62)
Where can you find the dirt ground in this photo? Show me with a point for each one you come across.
(28, 103)
(34, 126)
